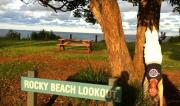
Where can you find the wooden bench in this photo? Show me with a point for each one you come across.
(62, 43)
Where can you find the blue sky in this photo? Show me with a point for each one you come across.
(16, 15)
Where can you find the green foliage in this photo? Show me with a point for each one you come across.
(13, 35)
(91, 76)
(43, 35)
(34, 36)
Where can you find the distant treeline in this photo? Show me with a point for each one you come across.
(12, 35)
(41, 35)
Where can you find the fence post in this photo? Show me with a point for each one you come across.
(112, 82)
(31, 96)
(96, 38)
(70, 36)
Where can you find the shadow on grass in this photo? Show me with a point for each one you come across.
(87, 75)
(129, 91)
(171, 93)
(132, 94)
(129, 94)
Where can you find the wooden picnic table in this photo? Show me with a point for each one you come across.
(62, 43)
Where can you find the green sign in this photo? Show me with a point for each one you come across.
(71, 89)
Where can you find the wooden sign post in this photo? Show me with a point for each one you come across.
(108, 93)
(31, 96)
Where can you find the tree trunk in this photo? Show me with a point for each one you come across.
(148, 16)
(139, 54)
(108, 15)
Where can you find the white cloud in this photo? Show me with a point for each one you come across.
(35, 14)
(47, 27)
(5, 2)
(127, 6)
(166, 7)
(170, 23)
(11, 4)
(54, 21)
(1, 12)
(15, 14)
(130, 15)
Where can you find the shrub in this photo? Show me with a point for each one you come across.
(43, 35)
(13, 35)
(90, 75)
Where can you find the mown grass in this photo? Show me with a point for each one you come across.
(102, 57)
(171, 56)
(18, 48)
(170, 50)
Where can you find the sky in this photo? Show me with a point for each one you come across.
(15, 14)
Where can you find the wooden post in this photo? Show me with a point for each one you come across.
(70, 37)
(31, 96)
(112, 82)
(96, 38)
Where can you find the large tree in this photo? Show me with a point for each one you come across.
(148, 15)
(107, 14)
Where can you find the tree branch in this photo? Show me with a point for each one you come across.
(27, 2)
(46, 3)
(95, 8)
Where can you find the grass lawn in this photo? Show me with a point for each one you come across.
(15, 49)
(18, 48)
(171, 56)
(14, 56)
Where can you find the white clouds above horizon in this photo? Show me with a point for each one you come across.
(15, 14)
(10, 4)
